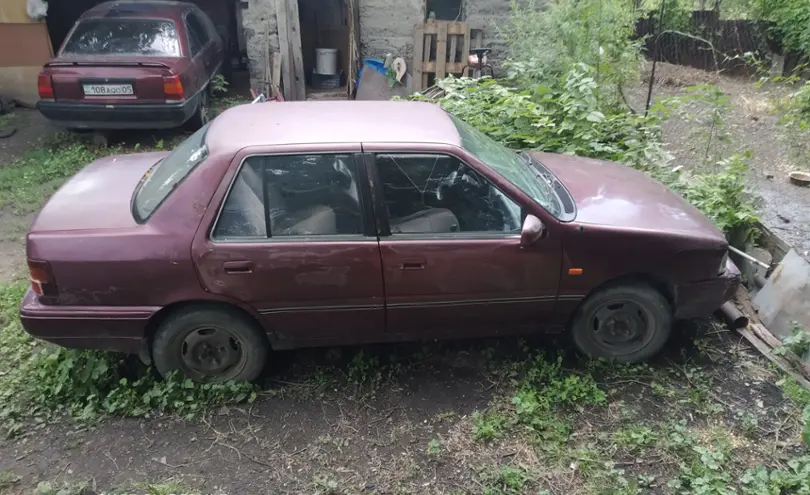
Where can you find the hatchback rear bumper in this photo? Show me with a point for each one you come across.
(125, 116)
(108, 328)
(703, 298)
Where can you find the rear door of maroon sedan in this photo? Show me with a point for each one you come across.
(294, 237)
(452, 261)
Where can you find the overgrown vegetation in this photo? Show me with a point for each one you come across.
(567, 65)
(790, 22)
(38, 381)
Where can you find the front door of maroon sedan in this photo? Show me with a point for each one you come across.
(295, 240)
(450, 244)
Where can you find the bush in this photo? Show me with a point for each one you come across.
(790, 22)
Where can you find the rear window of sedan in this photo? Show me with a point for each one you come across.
(164, 176)
(140, 37)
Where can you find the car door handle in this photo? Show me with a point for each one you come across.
(235, 267)
(412, 265)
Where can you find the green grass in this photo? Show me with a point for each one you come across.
(7, 121)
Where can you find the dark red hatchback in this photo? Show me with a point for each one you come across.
(307, 224)
(133, 64)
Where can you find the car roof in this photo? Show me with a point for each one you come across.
(145, 9)
(334, 122)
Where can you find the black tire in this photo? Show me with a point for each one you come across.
(225, 344)
(623, 323)
(203, 112)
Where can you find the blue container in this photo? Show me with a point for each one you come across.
(372, 63)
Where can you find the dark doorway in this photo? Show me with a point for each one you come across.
(445, 10)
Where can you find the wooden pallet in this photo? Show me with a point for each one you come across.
(440, 48)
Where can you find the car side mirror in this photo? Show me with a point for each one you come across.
(531, 231)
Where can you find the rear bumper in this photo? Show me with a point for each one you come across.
(124, 116)
(106, 328)
(703, 298)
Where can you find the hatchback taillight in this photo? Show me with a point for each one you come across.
(45, 86)
(42, 281)
(173, 88)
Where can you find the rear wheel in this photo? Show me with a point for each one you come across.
(625, 324)
(210, 345)
(203, 112)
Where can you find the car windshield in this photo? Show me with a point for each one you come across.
(139, 37)
(509, 165)
(165, 175)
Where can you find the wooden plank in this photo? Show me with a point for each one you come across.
(441, 51)
(268, 70)
(766, 351)
(479, 38)
(418, 63)
(465, 49)
(283, 42)
(453, 49)
(450, 68)
(276, 81)
(426, 58)
(353, 15)
(294, 37)
(431, 27)
(457, 28)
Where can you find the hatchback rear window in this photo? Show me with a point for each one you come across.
(167, 174)
(141, 37)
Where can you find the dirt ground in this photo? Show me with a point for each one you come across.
(315, 430)
(753, 125)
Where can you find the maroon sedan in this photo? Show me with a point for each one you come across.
(133, 64)
(309, 224)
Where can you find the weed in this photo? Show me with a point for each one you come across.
(508, 480)
(794, 479)
(488, 426)
(797, 343)
(326, 485)
(219, 84)
(49, 488)
(7, 120)
(364, 369)
(434, 447)
(635, 438)
(7, 480)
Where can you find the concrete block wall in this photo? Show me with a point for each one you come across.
(387, 26)
(489, 15)
(260, 28)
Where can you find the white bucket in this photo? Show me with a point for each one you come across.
(326, 61)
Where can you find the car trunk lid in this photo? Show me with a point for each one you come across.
(107, 80)
(98, 197)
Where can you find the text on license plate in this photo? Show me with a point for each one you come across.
(107, 89)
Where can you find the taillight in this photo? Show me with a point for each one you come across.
(42, 281)
(173, 88)
(45, 86)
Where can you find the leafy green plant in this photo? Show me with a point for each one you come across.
(721, 197)
(545, 42)
(508, 480)
(704, 473)
(7, 480)
(789, 22)
(219, 84)
(434, 447)
(488, 426)
(794, 479)
(797, 343)
(635, 438)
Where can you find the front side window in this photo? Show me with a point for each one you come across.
(439, 194)
(509, 165)
(165, 175)
(115, 36)
(295, 195)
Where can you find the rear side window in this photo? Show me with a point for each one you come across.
(167, 174)
(141, 37)
(197, 33)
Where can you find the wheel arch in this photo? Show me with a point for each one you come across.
(160, 316)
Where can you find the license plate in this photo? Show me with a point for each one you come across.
(107, 89)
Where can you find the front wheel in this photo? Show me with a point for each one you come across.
(210, 345)
(625, 324)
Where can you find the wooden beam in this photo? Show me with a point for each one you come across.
(294, 37)
(453, 49)
(426, 58)
(465, 49)
(284, 45)
(418, 47)
(276, 81)
(441, 51)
